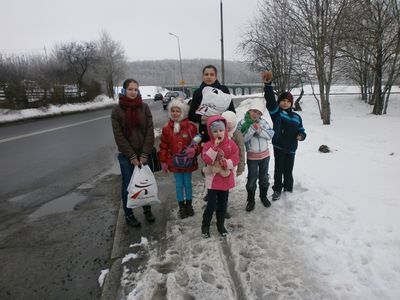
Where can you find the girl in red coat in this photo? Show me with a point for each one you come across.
(178, 152)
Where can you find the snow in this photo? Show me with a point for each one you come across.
(102, 276)
(337, 236)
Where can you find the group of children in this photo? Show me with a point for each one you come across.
(222, 151)
(223, 154)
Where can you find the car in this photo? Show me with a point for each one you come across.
(158, 96)
(170, 95)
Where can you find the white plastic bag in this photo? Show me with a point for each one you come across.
(214, 102)
(142, 189)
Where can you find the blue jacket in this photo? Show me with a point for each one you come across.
(287, 124)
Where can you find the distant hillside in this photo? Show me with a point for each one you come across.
(167, 72)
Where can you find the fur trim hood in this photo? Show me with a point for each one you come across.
(182, 105)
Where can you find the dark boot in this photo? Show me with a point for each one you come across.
(221, 223)
(250, 201)
(276, 195)
(189, 208)
(182, 210)
(148, 214)
(205, 231)
(132, 221)
(263, 197)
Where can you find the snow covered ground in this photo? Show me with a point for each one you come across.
(337, 236)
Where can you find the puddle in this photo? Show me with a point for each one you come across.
(59, 205)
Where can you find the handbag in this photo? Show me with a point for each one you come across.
(153, 161)
(181, 160)
(142, 188)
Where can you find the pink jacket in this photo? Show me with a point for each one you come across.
(217, 178)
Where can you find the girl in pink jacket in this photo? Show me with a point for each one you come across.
(221, 156)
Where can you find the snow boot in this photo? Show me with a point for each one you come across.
(148, 214)
(182, 210)
(132, 221)
(189, 208)
(220, 223)
(250, 201)
(276, 195)
(205, 231)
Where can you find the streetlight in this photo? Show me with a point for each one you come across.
(182, 83)
(222, 46)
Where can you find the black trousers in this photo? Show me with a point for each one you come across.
(283, 169)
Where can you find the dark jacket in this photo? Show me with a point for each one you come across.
(140, 140)
(287, 124)
(195, 103)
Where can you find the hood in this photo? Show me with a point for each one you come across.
(230, 118)
(184, 107)
(258, 104)
(213, 119)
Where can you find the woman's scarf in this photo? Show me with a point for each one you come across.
(247, 123)
(131, 107)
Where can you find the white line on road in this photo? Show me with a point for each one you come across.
(50, 130)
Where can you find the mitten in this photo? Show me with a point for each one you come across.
(190, 152)
(164, 167)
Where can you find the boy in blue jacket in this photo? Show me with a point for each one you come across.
(288, 127)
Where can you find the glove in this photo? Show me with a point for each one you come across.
(164, 167)
(190, 152)
(143, 160)
(267, 76)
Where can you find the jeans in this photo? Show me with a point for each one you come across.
(183, 181)
(258, 169)
(126, 174)
(216, 199)
(284, 163)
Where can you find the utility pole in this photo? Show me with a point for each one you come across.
(222, 46)
(182, 82)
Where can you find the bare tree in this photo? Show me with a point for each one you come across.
(112, 64)
(78, 57)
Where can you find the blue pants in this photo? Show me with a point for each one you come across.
(258, 169)
(183, 181)
(126, 174)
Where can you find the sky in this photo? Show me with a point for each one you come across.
(142, 27)
(337, 236)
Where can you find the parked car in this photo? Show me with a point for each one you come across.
(170, 95)
(158, 96)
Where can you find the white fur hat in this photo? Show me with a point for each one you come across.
(257, 104)
(230, 118)
(182, 105)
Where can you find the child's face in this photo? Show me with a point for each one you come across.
(285, 104)
(255, 114)
(218, 134)
(175, 113)
(132, 90)
(209, 76)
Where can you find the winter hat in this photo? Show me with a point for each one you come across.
(217, 125)
(286, 95)
(230, 118)
(179, 103)
(257, 104)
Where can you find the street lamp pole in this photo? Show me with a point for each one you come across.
(180, 60)
(222, 46)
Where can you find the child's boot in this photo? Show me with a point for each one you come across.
(221, 223)
(250, 201)
(276, 195)
(205, 231)
(189, 208)
(182, 210)
(263, 197)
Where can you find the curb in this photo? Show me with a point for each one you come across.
(112, 283)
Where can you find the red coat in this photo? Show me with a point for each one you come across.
(171, 143)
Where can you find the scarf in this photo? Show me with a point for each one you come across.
(247, 123)
(216, 85)
(131, 108)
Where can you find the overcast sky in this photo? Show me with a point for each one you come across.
(142, 26)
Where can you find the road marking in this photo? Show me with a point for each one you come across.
(50, 130)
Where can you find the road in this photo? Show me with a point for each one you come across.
(59, 202)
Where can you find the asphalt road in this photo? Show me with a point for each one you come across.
(59, 204)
